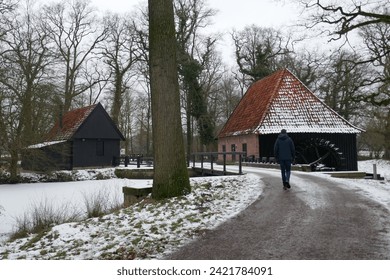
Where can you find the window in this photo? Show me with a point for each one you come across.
(100, 148)
(244, 148)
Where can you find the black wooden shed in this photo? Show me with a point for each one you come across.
(85, 137)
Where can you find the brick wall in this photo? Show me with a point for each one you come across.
(251, 141)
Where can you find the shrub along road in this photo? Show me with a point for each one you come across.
(315, 220)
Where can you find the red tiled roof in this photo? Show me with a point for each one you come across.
(279, 101)
(71, 122)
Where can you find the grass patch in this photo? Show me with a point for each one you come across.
(42, 216)
(101, 203)
(33, 240)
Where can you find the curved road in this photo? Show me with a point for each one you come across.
(315, 219)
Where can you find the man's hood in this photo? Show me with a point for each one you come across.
(283, 136)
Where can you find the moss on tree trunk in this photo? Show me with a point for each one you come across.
(170, 170)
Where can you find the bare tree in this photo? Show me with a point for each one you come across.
(371, 21)
(129, 109)
(377, 57)
(6, 6)
(194, 57)
(346, 16)
(140, 25)
(72, 26)
(25, 57)
(258, 50)
(170, 171)
(226, 98)
(339, 84)
(120, 54)
(306, 65)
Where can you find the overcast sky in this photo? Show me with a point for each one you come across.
(230, 14)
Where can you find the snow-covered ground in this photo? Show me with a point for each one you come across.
(376, 190)
(147, 230)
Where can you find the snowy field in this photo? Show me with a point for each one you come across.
(147, 230)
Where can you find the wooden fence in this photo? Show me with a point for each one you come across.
(212, 157)
(133, 159)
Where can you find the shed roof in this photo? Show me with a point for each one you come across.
(88, 122)
(71, 121)
(279, 101)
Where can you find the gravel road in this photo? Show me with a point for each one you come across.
(314, 220)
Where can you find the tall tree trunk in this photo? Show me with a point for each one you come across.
(387, 137)
(117, 102)
(170, 171)
(148, 128)
(189, 136)
(13, 165)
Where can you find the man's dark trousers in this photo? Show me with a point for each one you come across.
(285, 168)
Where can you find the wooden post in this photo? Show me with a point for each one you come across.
(375, 174)
(138, 161)
(212, 163)
(114, 161)
(224, 163)
(240, 164)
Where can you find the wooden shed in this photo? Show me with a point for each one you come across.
(321, 136)
(85, 137)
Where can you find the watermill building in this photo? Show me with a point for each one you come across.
(321, 136)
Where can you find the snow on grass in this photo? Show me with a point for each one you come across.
(147, 230)
(383, 167)
(150, 229)
(378, 190)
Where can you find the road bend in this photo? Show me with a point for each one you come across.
(314, 220)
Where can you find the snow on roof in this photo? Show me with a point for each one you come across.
(45, 144)
(71, 121)
(279, 101)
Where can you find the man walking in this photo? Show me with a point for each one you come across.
(284, 151)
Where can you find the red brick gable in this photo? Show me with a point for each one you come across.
(279, 101)
(71, 122)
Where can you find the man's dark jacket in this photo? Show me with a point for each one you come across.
(284, 148)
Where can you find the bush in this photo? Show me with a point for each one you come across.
(5, 178)
(134, 173)
(42, 216)
(101, 203)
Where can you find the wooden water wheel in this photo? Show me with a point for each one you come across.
(320, 154)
